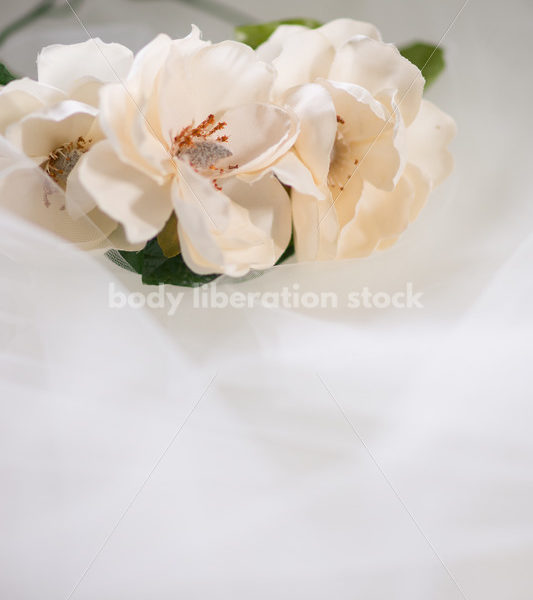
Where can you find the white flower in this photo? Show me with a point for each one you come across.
(46, 126)
(193, 132)
(374, 147)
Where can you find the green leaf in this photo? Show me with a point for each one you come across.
(5, 75)
(156, 268)
(134, 259)
(255, 35)
(289, 251)
(427, 57)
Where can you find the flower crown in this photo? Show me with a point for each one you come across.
(192, 159)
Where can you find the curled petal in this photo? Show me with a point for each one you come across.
(41, 132)
(372, 143)
(378, 67)
(318, 127)
(258, 135)
(291, 171)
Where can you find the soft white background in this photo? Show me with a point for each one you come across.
(269, 490)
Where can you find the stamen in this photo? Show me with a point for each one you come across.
(62, 160)
(196, 144)
(203, 155)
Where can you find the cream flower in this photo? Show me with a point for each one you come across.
(47, 126)
(374, 147)
(193, 133)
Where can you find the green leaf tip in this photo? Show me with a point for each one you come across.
(428, 58)
(156, 268)
(255, 35)
(5, 75)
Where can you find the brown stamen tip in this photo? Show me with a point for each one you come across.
(356, 162)
(340, 120)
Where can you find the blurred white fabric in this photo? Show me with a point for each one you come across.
(341, 453)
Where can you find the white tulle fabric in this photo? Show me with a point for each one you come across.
(267, 492)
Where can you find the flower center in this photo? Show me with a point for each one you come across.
(203, 148)
(342, 161)
(63, 159)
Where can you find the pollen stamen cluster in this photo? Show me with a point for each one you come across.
(201, 150)
(62, 160)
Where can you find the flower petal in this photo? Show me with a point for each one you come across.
(28, 192)
(273, 47)
(210, 81)
(124, 193)
(339, 31)
(61, 65)
(130, 116)
(316, 226)
(269, 209)
(379, 215)
(318, 127)
(23, 96)
(41, 132)
(134, 136)
(231, 235)
(278, 129)
(305, 222)
(371, 140)
(291, 171)
(118, 241)
(428, 138)
(421, 187)
(150, 59)
(345, 202)
(378, 67)
(304, 57)
(79, 201)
